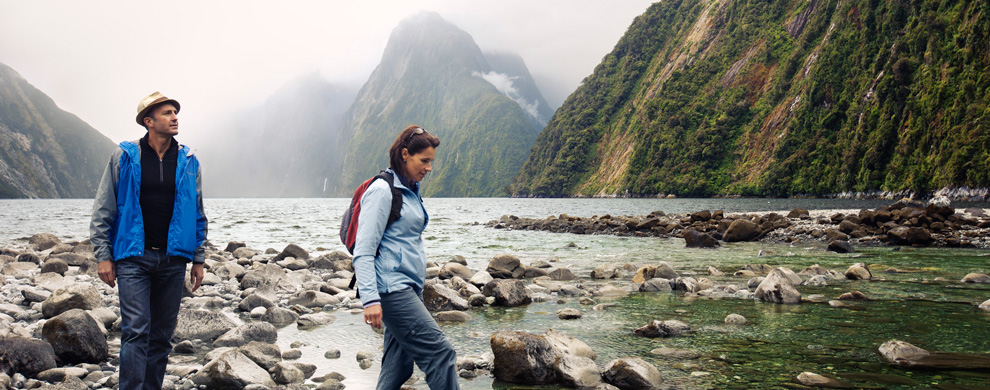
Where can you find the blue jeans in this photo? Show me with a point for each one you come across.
(149, 288)
(411, 335)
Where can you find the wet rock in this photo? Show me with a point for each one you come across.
(263, 297)
(605, 271)
(817, 270)
(203, 325)
(777, 287)
(314, 299)
(509, 293)
(292, 354)
(19, 269)
(438, 297)
(265, 355)
(904, 354)
(43, 241)
(332, 354)
(241, 335)
(61, 374)
(233, 246)
(57, 266)
(552, 358)
(450, 270)
(292, 264)
(798, 214)
(816, 380)
(858, 271)
(263, 276)
(232, 370)
(985, 306)
(561, 274)
(741, 230)
(675, 354)
(838, 246)
(315, 319)
(292, 250)
(632, 373)
(285, 373)
(976, 278)
(661, 270)
(909, 236)
(453, 316)
(331, 384)
(185, 347)
(735, 319)
(278, 316)
(854, 296)
(668, 328)
(75, 296)
(694, 239)
(656, 285)
(568, 313)
(714, 271)
(28, 356)
(900, 352)
(76, 337)
(505, 267)
(481, 278)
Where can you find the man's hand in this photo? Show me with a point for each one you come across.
(108, 272)
(196, 276)
(373, 316)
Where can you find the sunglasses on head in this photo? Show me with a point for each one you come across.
(416, 131)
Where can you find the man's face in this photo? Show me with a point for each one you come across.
(163, 121)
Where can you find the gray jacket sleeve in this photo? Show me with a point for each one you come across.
(105, 209)
(202, 224)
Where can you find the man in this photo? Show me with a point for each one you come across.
(148, 223)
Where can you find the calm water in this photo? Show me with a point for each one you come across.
(779, 343)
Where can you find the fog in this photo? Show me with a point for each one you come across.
(221, 58)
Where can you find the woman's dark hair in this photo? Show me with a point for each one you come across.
(415, 139)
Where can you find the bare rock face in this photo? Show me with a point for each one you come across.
(76, 337)
(27, 356)
(552, 358)
(508, 293)
(232, 370)
(632, 373)
(75, 296)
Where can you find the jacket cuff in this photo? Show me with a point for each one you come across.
(375, 302)
(102, 253)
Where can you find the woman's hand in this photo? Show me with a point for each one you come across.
(373, 316)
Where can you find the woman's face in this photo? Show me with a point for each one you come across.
(419, 164)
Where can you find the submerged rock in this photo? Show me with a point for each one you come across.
(778, 287)
(902, 353)
(985, 305)
(632, 373)
(816, 380)
(858, 271)
(668, 328)
(509, 293)
(976, 278)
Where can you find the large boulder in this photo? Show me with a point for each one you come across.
(741, 230)
(632, 373)
(241, 335)
(778, 287)
(695, 239)
(505, 267)
(232, 370)
(508, 293)
(76, 337)
(27, 356)
(668, 328)
(74, 296)
(909, 236)
(203, 325)
(438, 297)
(525, 358)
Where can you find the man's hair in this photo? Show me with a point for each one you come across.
(151, 112)
(415, 139)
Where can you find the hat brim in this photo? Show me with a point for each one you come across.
(156, 103)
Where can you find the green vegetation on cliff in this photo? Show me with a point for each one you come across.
(777, 98)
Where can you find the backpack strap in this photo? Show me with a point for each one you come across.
(396, 211)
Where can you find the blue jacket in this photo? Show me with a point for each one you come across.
(400, 262)
(117, 229)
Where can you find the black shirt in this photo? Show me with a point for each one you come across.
(157, 192)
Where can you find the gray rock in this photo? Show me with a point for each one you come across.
(263, 276)
(508, 293)
(26, 355)
(481, 278)
(839, 246)
(331, 384)
(292, 354)
(76, 337)
(815, 380)
(15, 312)
(741, 230)
(233, 246)
(505, 267)
(232, 370)
(438, 297)
(307, 369)
(292, 263)
(605, 271)
(985, 306)
(74, 259)
(57, 266)
(105, 316)
(259, 298)
(265, 355)
(450, 270)
(28, 258)
(901, 352)
(735, 319)
(292, 250)
(525, 358)
(632, 373)
(60, 374)
(278, 316)
(561, 274)
(315, 319)
(241, 335)
(19, 269)
(185, 347)
(569, 313)
(858, 271)
(43, 241)
(314, 299)
(75, 296)
(453, 316)
(675, 354)
(332, 354)
(244, 253)
(695, 239)
(777, 287)
(976, 278)
(203, 325)
(668, 328)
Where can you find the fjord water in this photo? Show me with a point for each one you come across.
(927, 307)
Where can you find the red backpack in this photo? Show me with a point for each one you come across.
(349, 224)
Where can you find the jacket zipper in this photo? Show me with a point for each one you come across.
(161, 170)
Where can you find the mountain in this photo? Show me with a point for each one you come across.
(486, 110)
(284, 148)
(45, 152)
(777, 98)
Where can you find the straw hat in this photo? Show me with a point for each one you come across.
(150, 102)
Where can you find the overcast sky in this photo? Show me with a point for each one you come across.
(97, 59)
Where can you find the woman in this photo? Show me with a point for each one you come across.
(391, 268)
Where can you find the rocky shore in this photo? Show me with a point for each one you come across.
(905, 222)
(60, 326)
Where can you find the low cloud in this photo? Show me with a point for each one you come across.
(504, 84)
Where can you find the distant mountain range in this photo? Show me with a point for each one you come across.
(777, 98)
(45, 152)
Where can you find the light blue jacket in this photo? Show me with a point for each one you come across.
(400, 262)
(117, 228)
